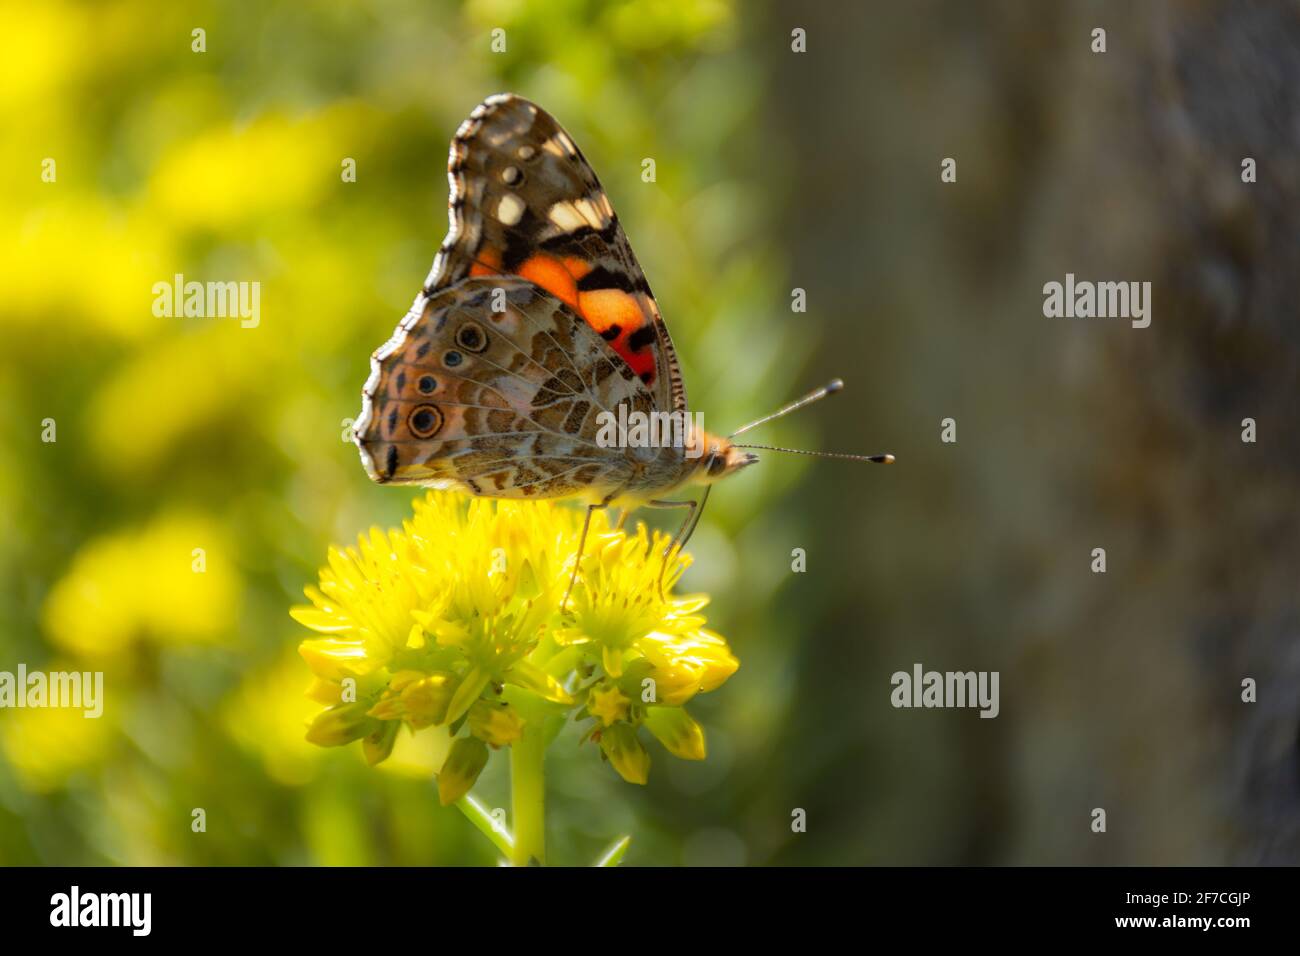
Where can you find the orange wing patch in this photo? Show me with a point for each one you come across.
(617, 315)
(553, 276)
(486, 263)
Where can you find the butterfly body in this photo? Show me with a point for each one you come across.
(534, 327)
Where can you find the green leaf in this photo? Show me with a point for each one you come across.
(614, 855)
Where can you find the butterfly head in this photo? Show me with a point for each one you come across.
(720, 459)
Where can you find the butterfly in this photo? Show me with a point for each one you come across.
(534, 331)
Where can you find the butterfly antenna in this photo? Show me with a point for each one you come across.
(877, 459)
(817, 394)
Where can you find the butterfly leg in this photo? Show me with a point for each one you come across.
(683, 533)
(622, 519)
(582, 541)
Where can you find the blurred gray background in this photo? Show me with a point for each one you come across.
(1121, 690)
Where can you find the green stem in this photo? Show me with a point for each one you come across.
(528, 794)
(478, 815)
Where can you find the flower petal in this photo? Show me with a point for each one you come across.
(469, 690)
(332, 660)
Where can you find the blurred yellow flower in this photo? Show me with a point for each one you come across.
(48, 745)
(172, 582)
(86, 260)
(43, 47)
(455, 622)
(220, 178)
(266, 715)
(212, 367)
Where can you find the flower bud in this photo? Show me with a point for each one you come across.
(626, 753)
(677, 731)
(340, 725)
(425, 701)
(378, 744)
(419, 699)
(466, 761)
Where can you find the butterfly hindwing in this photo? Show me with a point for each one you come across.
(495, 389)
(524, 201)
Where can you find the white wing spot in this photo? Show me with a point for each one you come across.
(591, 212)
(511, 209)
(566, 217)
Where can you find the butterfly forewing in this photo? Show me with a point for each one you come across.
(524, 201)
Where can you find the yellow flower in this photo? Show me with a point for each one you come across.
(685, 665)
(620, 607)
(454, 621)
(607, 704)
(366, 596)
(497, 724)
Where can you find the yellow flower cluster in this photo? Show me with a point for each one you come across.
(455, 621)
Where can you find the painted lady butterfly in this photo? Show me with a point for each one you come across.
(535, 319)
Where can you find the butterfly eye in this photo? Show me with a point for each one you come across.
(471, 337)
(427, 384)
(452, 359)
(425, 420)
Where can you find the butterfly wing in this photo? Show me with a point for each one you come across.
(525, 202)
(495, 388)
